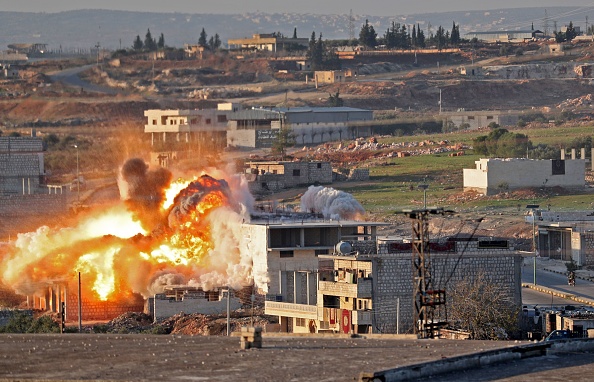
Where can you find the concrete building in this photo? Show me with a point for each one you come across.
(275, 176)
(189, 300)
(259, 127)
(25, 199)
(329, 76)
(564, 235)
(366, 286)
(477, 119)
(493, 175)
(505, 36)
(268, 42)
(175, 132)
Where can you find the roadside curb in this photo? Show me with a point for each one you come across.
(470, 361)
(557, 293)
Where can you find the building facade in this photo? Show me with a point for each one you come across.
(268, 42)
(276, 176)
(369, 287)
(259, 127)
(494, 175)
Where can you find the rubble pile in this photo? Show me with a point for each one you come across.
(181, 323)
(364, 149)
(585, 100)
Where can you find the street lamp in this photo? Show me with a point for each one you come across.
(533, 208)
(77, 177)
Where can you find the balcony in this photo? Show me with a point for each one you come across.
(287, 309)
(360, 290)
(362, 317)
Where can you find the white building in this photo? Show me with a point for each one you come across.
(493, 175)
(259, 127)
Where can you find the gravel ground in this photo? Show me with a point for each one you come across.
(173, 357)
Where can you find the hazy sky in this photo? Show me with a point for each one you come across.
(371, 7)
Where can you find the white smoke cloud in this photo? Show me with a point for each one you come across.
(331, 203)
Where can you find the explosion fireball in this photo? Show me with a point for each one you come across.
(165, 232)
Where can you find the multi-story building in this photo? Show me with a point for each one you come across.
(174, 132)
(366, 286)
(259, 127)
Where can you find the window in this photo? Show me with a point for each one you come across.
(296, 172)
(470, 118)
(489, 117)
(154, 121)
(286, 254)
(221, 118)
(319, 165)
(275, 171)
(321, 252)
(300, 322)
(208, 121)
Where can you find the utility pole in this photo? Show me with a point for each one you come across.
(425, 298)
(351, 26)
(97, 46)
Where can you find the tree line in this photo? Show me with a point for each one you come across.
(398, 36)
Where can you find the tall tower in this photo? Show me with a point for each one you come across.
(351, 26)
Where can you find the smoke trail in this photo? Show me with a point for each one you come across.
(331, 203)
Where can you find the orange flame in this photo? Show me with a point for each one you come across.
(113, 251)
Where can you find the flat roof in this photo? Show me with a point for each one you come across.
(296, 222)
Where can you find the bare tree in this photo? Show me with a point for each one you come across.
(478, 305)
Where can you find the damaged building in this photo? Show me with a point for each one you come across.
(273, 176)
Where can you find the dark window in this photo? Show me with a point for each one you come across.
(221, 118)
(558, 167)
(319, 165)
(296, 172)
(489, 117)
(208, 121)
(286, 253)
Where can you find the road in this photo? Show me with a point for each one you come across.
(70, 77)
(558, 282)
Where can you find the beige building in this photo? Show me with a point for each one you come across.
(268, 42)
(275, 176)
(329, 76)
(259, 127)
(175, 132)
(476, 119)
(493, 175)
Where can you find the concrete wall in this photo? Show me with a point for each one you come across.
(492, 175)
(393, 277)
(21, 158)
(539, 71)
(476, 120)
(165, 307)
(274, 176)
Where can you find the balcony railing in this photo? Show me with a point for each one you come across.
(288, 309)
(360, 290)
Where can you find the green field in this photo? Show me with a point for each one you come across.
(394, 183)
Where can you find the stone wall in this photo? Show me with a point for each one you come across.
(359, 174)
(21, 160)
(393, 280)
(165, 307)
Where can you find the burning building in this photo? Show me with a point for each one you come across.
(170, 232)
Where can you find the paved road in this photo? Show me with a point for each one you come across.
(558, 282)
(70, 77)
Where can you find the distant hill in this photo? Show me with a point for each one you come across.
(83, 29)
